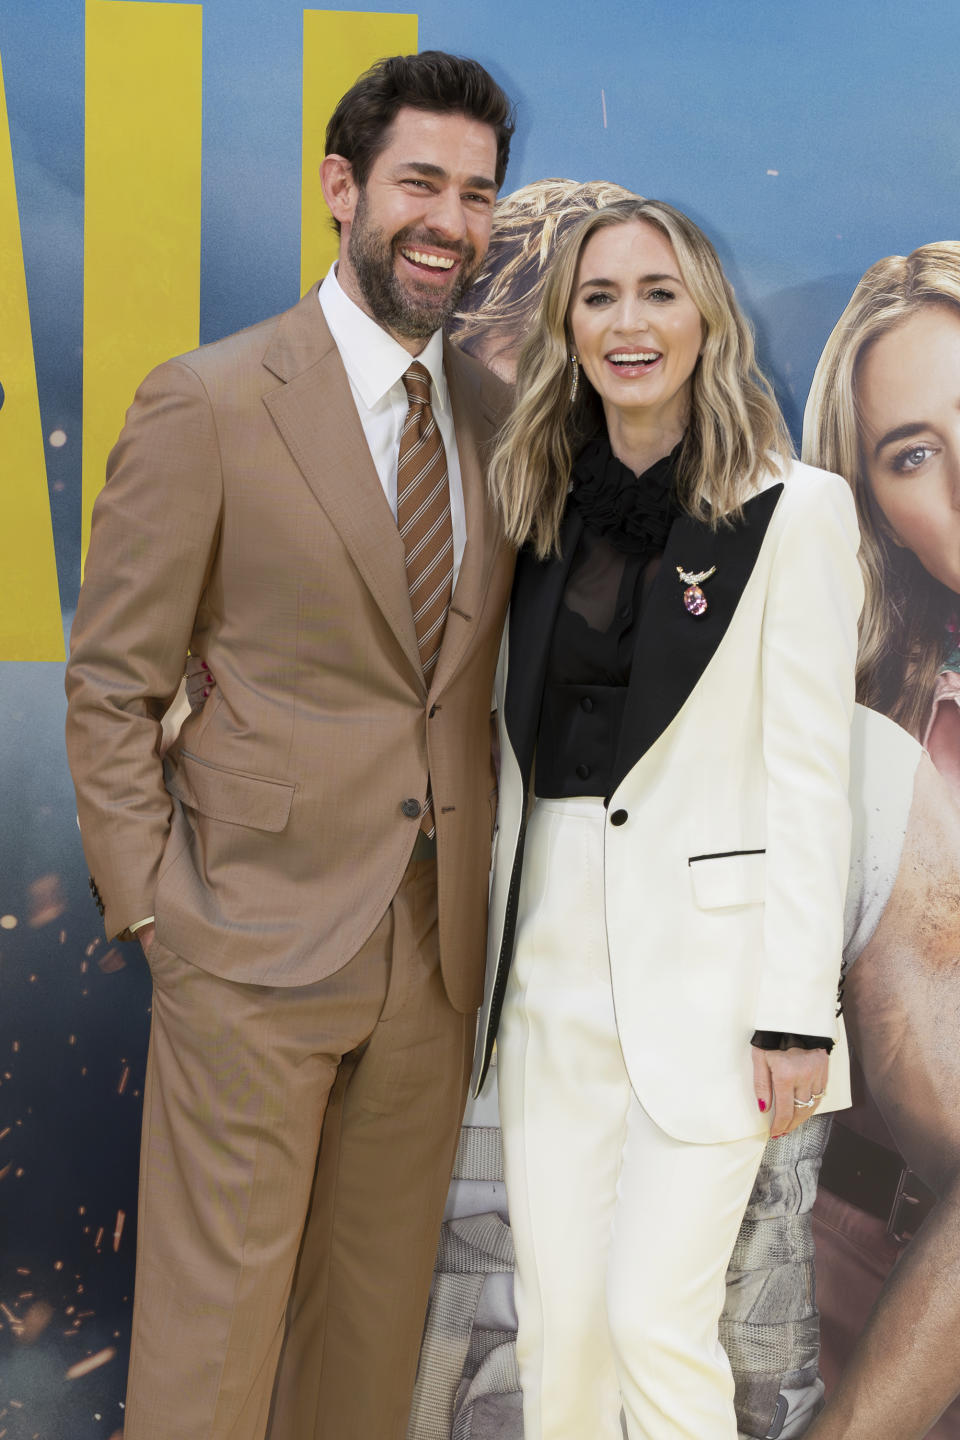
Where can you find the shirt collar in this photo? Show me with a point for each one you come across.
(373, 360)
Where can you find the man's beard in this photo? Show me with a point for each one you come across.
(406, 310)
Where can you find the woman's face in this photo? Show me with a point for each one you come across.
(909, 392)
(636, 331)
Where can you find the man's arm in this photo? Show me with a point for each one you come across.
(154, 535)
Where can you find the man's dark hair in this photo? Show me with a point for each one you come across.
(445, 84)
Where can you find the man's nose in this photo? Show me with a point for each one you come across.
(446, 214)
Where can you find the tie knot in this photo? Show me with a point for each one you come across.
(417, 383)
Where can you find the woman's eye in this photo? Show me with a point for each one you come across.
(660, 294)
(598, 297)
(912, 457)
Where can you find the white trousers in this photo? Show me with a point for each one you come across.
(622, 1233)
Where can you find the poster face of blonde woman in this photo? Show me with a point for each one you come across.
(909, 408)
(909, 387)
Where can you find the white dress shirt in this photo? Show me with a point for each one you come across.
(375, 364)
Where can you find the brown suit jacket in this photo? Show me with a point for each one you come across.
(243, 519)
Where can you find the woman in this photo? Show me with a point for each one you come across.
(883, 410)
(680, 657)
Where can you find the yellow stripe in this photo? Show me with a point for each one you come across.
(141, 301)
(30, 624)
(338, 45)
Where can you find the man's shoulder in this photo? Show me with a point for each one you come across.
(287, 335)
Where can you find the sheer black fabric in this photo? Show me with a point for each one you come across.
(626, 522)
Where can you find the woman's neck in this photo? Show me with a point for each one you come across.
(639, 441)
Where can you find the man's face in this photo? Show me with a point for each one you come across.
(420, 225)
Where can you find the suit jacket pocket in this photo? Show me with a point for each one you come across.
(734, 878)
(230, 795)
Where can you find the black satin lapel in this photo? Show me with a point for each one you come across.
(537, 592)
(673, 648)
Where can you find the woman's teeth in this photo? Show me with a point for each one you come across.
(634, 357)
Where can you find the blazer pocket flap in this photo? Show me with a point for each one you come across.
(230, 795)
(737, 878)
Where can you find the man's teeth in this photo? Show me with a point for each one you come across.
(634, 357)
(436, 262)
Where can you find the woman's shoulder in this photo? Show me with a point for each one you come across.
(808, 490)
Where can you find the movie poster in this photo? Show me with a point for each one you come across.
(157, 190)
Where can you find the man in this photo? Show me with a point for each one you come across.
(303, 504)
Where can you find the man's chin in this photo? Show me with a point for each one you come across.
(424, 313)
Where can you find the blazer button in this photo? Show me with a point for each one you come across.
(586, 704)
(411, 808)
(583, 772)
(619, 817)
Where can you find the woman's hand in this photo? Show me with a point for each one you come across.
(786, 1081)
(200, 681)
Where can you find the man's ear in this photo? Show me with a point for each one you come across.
(339, 188)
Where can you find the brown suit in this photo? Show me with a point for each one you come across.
(243, 519)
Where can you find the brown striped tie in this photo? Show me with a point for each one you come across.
(426, 527)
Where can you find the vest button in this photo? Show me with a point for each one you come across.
(411, 808)
(619, 817)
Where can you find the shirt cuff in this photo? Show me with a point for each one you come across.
(786, 1040)
(139, 924)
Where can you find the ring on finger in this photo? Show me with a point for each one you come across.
(805, 1104)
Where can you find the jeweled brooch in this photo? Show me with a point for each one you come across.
(694, 600)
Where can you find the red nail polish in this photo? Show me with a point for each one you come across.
(205, 694)
(762, 1104)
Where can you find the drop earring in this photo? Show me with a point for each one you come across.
(574, 378)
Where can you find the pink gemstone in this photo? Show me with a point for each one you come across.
(695, 600)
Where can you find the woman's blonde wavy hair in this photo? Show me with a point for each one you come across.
(735, 427)
(905, 608)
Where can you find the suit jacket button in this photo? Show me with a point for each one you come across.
(619, 817)
(411, 808)
(583, 772)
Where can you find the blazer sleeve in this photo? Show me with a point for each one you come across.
(154, 534)
(808, 658)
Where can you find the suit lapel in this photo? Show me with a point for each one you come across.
(317, 418)
(537, 592)
(475, 422)
(673, 648)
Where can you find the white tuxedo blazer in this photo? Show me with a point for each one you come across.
(727, 837)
